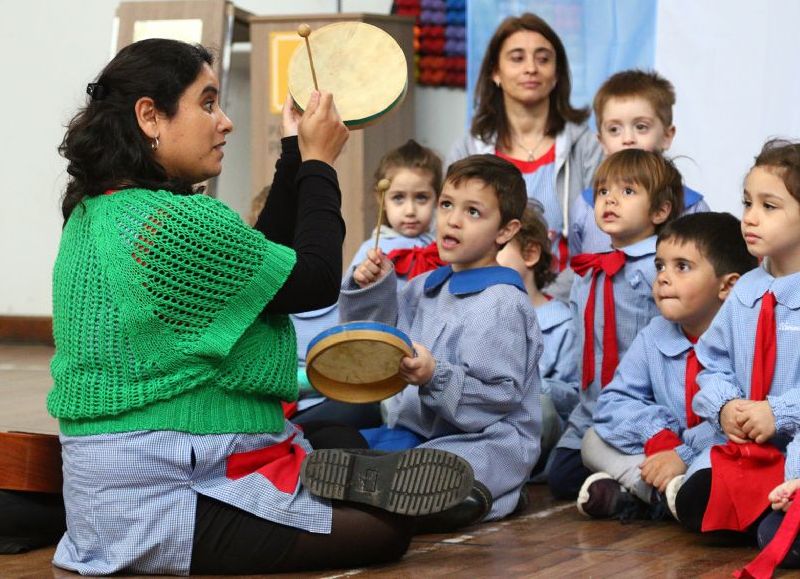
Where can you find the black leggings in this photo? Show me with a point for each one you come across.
(228, 540)
(691, 503)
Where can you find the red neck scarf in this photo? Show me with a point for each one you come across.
(610, 264)
(763, 566)
(742, 475)
(693, 366)
(765, 351)
(415, 260)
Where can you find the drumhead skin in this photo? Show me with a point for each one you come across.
(357, 362)
(360, 64)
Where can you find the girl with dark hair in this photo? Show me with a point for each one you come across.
(174, 349)
(523, 114)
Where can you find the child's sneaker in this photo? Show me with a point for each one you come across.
(600, 496)
(671, 493)
(413, 482)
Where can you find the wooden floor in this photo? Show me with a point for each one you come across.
(549, 540)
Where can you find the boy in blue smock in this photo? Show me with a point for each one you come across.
(636, 193)
(530, 255)
(633, 110)
(474, 383)
(645, 434)
(415, 176)
(749, 387)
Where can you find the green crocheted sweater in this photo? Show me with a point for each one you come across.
(157, 302)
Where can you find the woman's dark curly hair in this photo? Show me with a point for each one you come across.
(104, 146)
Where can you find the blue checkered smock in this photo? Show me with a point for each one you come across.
(634, 308)
(560, 378)
(482, 402)
(131, 497)
(726, 352)
(648, 395)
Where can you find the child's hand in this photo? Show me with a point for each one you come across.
(373, 268)
(756, 420)
(779, 497)
(419, 369)
(728, 421)
(662, 467)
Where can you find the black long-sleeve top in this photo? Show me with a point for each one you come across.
(303, 211)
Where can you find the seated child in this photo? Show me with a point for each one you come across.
(645, 433)
(636, 193)
(415, 173)
(633, 110)
(530, 254)
(749, 390)
(475, 379)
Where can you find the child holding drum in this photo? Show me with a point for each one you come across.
(474, 380)
(415, 176)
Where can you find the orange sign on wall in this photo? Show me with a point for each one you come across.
(281, 47)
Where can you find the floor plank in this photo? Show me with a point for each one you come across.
(550, 539)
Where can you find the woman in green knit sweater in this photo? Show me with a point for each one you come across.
(174, 349)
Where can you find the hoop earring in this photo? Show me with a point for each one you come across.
(154, 143)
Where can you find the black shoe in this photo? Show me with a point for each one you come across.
(634, 509)
(413, 482)
(600, 496)
(468, 512)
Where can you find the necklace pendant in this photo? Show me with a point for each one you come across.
(530, 157)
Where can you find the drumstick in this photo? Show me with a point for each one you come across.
(381, 187)
(304, 30)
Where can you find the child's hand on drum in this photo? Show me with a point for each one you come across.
(373, 268)
(419, 369)
(321, 132)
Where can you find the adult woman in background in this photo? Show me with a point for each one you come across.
(173, 347)
(523, 114)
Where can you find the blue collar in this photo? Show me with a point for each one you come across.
(752, 286)
(472, 281)
(690, 197)
(641, 248)
(669, 337)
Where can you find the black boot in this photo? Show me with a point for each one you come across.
(413, 482)
(468, 512)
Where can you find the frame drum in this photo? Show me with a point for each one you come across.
(360, 64)
(358, 361)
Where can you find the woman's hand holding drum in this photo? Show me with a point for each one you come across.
(321, 132)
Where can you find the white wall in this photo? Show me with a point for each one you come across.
(734, 67)
(732, 64)
(52, 49)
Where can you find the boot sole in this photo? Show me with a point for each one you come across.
(414, 482)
